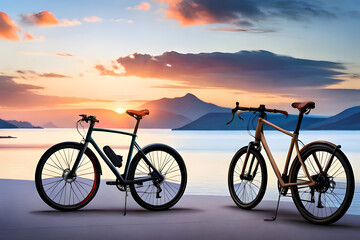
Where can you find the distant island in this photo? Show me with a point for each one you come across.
(7, 137)
(15, 124)
(180, 113)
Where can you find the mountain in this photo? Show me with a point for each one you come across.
(67, 118)
(5, 124)
(49, 125)
(188, 106)
(164, 113)
(15, 124)
(181, 113)
(21, 124)
(348, 119)
(217, 121)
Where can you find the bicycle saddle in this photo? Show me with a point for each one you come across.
(303, 106)
(138, 114)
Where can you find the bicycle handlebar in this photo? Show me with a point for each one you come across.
(260, 109)
(86, 118)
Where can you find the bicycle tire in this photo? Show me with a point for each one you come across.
(169, 162)
(332, 194)
(61, 193)
(237, 187)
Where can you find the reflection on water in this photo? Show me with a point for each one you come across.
(207, 154)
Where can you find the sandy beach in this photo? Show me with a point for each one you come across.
(25, 216)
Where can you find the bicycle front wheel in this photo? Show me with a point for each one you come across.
(329, 199)
(51, 180)
(170, 164)
(247, 190)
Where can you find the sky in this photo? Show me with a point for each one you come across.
(116, 54)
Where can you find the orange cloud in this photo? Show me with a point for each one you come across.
(15, 95)
(243, 70)
(144, 6)
(64, 54)
(53, 75)
(43, 18)
(47, 19)
(242, 13)
(9, 30)
(28, 36)
(92, 19)
(116, 70)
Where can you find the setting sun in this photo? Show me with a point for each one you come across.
(119, 110)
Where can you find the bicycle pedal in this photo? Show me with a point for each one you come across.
(111, 183)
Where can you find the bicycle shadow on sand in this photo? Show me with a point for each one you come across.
(291, 216)
(116, 211)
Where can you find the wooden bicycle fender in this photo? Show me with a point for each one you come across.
(321, 142)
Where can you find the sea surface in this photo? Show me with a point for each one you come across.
(207, 154)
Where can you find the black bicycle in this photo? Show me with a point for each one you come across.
(68, 174)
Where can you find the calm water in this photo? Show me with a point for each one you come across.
(207, 154)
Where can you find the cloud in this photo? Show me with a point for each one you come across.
(43, 18)
(53, 75)
(10, 31)
(92, 19)
(64, 54)
(33, 74)
(241, 30)
(144, 6)
(298, 10)
(14, 95)
(66, 22)
(248, 12)
(47, 19)
(260, 71)
(124, 20)
(115, 70)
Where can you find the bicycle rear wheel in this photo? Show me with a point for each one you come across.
(169, 163)
(55, 188)
(247, 191)
(329, 199)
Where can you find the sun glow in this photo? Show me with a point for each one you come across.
(119, 110)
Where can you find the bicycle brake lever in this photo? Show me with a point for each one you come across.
(239, 113)
(234, 110)
(231, 119)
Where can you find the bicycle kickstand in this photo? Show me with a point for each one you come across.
(277, 208)
(126, 195)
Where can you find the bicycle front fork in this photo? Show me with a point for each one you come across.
(251, 173)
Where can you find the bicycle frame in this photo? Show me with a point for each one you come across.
(123, 180)
(259, 137)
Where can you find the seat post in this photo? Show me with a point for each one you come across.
(298, 124)
(137, 125)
